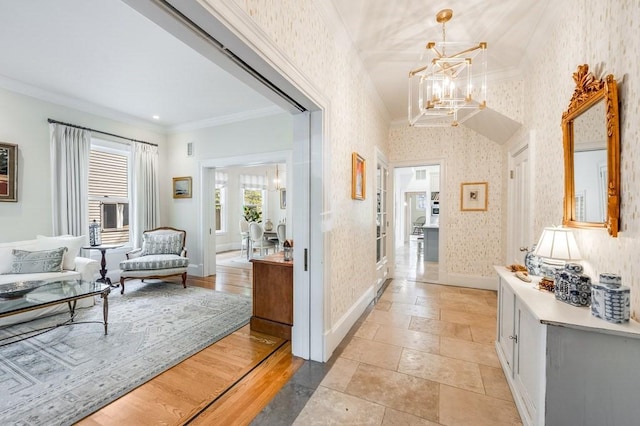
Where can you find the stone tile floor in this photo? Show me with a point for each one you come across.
(422, 355)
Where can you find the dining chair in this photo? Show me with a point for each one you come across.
(281, 232)
(256, 235)
(244, 235)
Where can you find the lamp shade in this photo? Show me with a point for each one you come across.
(557, 243)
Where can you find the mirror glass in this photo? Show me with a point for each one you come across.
(592, 154)
(590, 165)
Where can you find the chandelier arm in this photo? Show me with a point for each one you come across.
(417, 70)
(471, 49)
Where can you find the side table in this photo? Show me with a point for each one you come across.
(103, 264)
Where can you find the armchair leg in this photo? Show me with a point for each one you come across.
(184, 279)
(121, 285)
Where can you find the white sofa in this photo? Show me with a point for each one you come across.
(73, 267)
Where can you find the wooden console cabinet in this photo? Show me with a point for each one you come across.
(272, 296)
(563, 365)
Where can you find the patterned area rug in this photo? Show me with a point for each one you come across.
(66, 374)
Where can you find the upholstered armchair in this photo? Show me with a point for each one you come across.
(162, 255)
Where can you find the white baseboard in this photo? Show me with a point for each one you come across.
(334, 336)
(472, 281)
(195, 270)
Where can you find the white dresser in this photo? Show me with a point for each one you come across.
(564, 366)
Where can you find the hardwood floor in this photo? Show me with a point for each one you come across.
(228, 383)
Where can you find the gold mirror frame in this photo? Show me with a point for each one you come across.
(588, 92)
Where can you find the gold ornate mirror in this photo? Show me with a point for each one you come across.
(591, 137)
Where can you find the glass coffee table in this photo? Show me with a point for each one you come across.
(25, 296)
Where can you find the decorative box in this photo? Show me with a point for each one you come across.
(572, 286)
(611, 302)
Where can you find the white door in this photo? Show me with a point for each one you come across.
(520, 220)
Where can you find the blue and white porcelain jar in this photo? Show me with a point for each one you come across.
(611, 302)
(572, 286)
(532, 262)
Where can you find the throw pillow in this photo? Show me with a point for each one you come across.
(33, 262)
(155, 243)
(73, 245)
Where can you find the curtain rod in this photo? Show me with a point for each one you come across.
(50, 120)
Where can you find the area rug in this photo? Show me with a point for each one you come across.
(63, 375)
(235, 262)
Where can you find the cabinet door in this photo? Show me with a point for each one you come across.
(506, 323)
(529, 363)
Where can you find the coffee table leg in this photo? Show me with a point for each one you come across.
(72, 308)
(105, 310)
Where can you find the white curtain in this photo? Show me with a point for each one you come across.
(70, 149)
(145, 195)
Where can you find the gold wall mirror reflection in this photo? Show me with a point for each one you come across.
(591, 136)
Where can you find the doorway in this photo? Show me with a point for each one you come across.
(417, 208)
(195, 25)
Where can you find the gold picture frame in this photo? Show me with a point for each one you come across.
(182, 187)
(474, 196)
(8, 172)
(358, 176)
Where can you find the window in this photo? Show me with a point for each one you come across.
(220, 200)
(109, 190)
(252, 204)
(220, 209)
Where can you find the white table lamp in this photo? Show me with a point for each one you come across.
(556, 247)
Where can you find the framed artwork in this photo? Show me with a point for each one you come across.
(283, 198)
(358, 177)
(182, 187)
(8, 172)
(473, 196)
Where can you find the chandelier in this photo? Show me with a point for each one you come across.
(441, 86)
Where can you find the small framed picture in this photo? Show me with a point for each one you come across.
(182, 187)
(283, 198)
(474, 196)
(8, 172)
(358, 178)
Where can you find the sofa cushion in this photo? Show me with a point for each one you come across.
(72, 244)
(157, 261)
(29, 262)
(161, 243)
(6, 253)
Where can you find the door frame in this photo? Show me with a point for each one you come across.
(442, 217)
(518, 147)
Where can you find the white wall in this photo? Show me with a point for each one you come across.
(23, 121)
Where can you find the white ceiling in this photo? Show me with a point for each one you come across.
(104, 57)
(389, 37)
